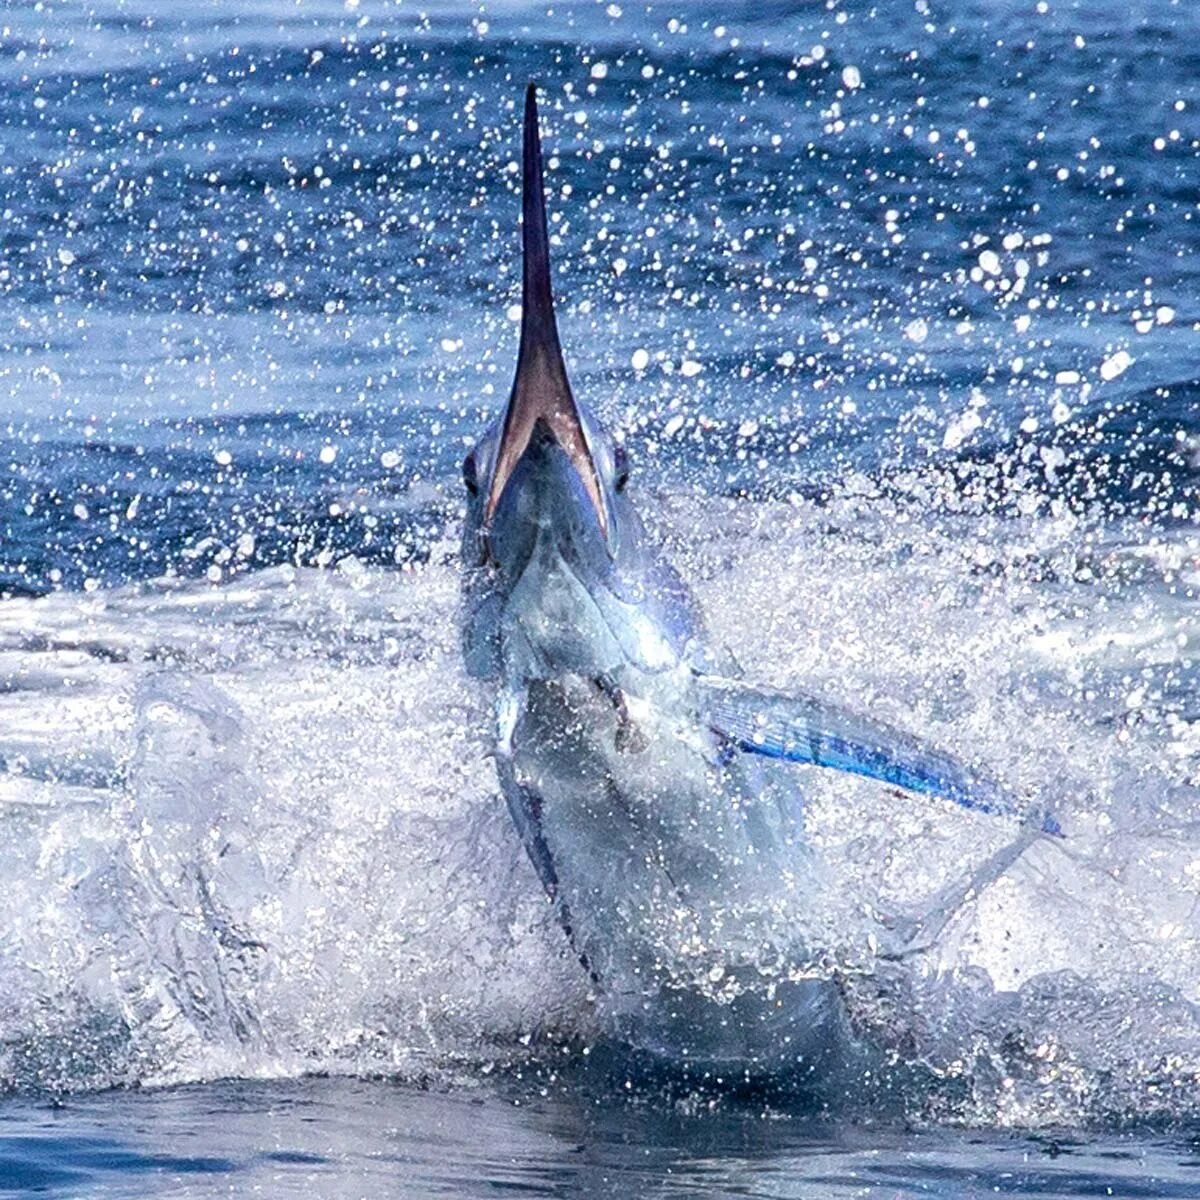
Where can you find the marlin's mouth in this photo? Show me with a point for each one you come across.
(541, 404)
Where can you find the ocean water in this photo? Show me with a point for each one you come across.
(896, 306)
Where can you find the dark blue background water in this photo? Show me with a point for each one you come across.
(255, 290)
(236, 235)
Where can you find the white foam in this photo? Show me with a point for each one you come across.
(253, 828)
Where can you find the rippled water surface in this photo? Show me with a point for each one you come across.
(895, 306)
(342, 1138)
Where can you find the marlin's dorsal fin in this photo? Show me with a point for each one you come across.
(541, 392)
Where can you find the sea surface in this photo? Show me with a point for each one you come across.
(897, 308)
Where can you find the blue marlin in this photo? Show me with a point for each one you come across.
(652, 787)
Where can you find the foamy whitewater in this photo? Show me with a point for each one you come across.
(252, 829)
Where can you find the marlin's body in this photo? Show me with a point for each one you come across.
(654, 793)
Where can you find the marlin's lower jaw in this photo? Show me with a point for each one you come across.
(553, 625)
(559, 621)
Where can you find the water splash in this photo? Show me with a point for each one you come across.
(252, 828)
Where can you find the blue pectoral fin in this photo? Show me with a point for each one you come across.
(800, 729)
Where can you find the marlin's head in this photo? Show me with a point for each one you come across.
(557, 562)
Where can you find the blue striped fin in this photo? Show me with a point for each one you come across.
(801, 729)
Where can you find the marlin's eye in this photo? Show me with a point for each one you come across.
(469, 477)
(620, 467)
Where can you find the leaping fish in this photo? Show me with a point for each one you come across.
(651, 786)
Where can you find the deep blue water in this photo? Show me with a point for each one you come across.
(253, 230)
(922, 275)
